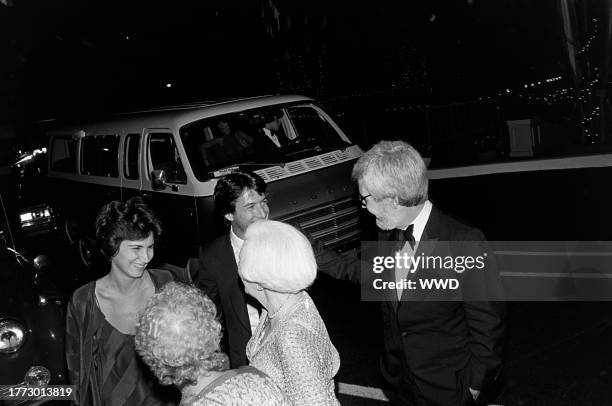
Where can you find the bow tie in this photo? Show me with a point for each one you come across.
(403, 235)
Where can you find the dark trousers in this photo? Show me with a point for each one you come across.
(406, 393)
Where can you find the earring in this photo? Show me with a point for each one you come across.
(259, 287)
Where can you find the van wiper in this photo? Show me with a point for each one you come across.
(217, 173)
(255, 164)
(319, 149)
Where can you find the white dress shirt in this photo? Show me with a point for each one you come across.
(273, 137)
(251, 310)
(419, 223)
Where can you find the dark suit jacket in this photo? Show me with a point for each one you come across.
(265, 148)
(438, 348)
(217, 275)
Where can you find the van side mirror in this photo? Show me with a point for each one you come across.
(158, 179)
(159, 182)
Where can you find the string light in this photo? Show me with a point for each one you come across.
(589, 41)
(526, 91)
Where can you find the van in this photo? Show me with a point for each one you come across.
(172, 157)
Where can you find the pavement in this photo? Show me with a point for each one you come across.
(558, 353)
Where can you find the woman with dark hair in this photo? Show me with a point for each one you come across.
(102, 315)
(178, 336)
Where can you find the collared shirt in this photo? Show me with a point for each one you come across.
(273, 137)
(419, 223)
(237, 243)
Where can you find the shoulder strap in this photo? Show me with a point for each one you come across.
(252, 370)
(216, 382)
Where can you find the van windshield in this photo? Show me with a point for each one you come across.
(258, 137)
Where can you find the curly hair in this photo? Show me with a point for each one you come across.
(118, 221)
(178, 335)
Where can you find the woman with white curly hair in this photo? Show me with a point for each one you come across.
(178, 337)
(291, 343)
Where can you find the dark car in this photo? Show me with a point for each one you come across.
(32, 316)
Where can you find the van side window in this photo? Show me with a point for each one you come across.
(100, 155)
(165, 156)
(132, 149)
(63, 154)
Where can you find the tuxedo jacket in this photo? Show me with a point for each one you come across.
(266, 148)
(216, 273)
(438, 348)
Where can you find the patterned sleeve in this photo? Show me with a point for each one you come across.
(302, 354)
(73, 350)
(244, 389)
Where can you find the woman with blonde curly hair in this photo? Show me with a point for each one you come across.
(178, 337)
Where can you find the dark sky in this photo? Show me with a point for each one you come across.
(67, 57)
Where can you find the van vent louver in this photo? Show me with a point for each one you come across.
(296, 167)
(329, 159)
(313, 163)
(342, 155)
(276, 172)
(309, 164)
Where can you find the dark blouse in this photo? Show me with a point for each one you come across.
(102, 361)
(120, 377)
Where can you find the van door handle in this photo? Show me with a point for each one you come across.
(147, 195)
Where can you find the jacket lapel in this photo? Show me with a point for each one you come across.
(389, 295)
(237, 287)
(92, 321)
(427, 243)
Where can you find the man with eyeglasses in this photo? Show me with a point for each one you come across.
(240, 197)
(443, 352)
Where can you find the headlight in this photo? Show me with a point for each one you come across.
(12, 336)
(35, 215)
(37, 219)
(37, 376)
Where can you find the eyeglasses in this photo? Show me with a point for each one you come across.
(363, 200)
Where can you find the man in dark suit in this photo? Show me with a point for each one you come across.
(443, 352)
(240, 197)
(271, 137)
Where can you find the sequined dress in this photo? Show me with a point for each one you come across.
(297, 354)
(245, 386)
